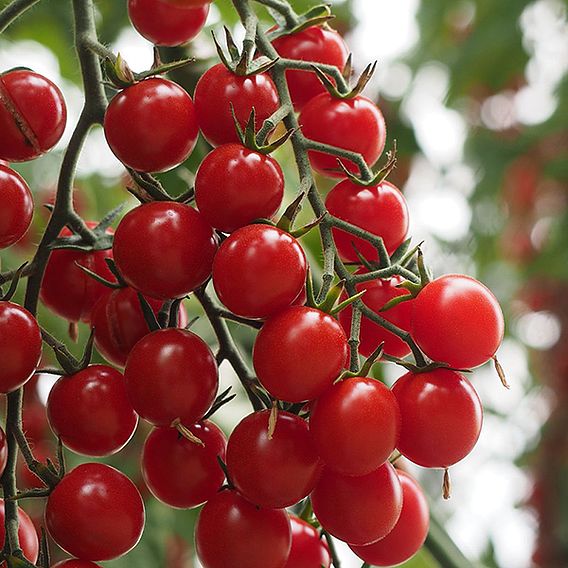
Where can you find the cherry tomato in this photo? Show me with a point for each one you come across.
(152, 125)
(75, 564)
(230, 531)
(20, 346)
(441, 417)
(3, 451)
(180, 472)
(377, 294)
(273, 471)
(95, 513)
(308, 550)
(164, 249)
(171, 374)
(166, 22)
(298, 353)
(26, 533)
(190, 3)
(355, 425)
(34, 419)
(32, 115)
(234, 186)
(90, 411)
(358, 510)
(316, 44)
(218, 88)
(17, 207)
(457, 320)
(259, 270)
(354, 124)
(408, 534)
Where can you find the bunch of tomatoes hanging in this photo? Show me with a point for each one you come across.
(315, 456)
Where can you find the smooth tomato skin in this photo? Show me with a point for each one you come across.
(230, 531)
(299, 352)
(17, 207)
(355, 425)
(308, 549)
(354, 124)
(152, 125)
(181, 473)
(27, 534)
(218, 88)
(90, 411)
(441, 417)
(164, 249)
(377, 294)
(457, 320)
(358, 510)
(259, 270)
(165, 22)
(20, 346)
(316, 44)
(36, 103)
(273, 472)
(75, 564)
(234, 186)
(95, 513)
(171, 374)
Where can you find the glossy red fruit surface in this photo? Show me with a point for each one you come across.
(17, 207)
(75, 564)
(32, 115)
(308, 549)
(27, 534)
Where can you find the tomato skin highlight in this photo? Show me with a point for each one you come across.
(27, 534)
(308, 549)
(17, 207)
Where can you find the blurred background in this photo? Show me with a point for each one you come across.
(475, 92)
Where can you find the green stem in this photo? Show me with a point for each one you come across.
(282, 8)
(330, 70)
(13, 11)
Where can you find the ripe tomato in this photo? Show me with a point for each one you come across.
(259, 270)
(298, 353)
(75, 564)
(316, 44)
(441, 417)
(230, 531)
(408, 534)
(358, 510)
(355, 425)
(234, 186)
(457, 320)
(17, 207)
(20, 346)
(164, 249)
(32, 115)
(151, 126)
(171, 374)
(273, 472)
(26, 533)
(90, 411)
(95, 513)
(308, 549)
(181, 473)
(218, 88)
(3, 451)
(354, 124)
(167, 22)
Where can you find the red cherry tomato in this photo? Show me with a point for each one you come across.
(95, 513)
(34, 419)
(20, 346)
(441, 417)
(308, 550)
(218, 88)
(409, 533)
(273, 471)
(230, 531)
(355, 425)
(3, 451)
(152, 125)
(377, 294)
(75, 564)
(171, 374)
(298, 353)
(190, 3)
(358, 510)
(180, 472)
(32, 115)
(164, 249)
(27, 534)
(234, 186)
(259, 270)
(457, 320)
(17, 207)
(316, 44)
(90, 411)
(166, 22)
(354, 124)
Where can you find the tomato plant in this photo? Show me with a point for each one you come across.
(308, 549)
(26, 534)
(17, 207)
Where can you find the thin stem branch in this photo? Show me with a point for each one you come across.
(331, 70)
(13, 11)
(282, 8)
